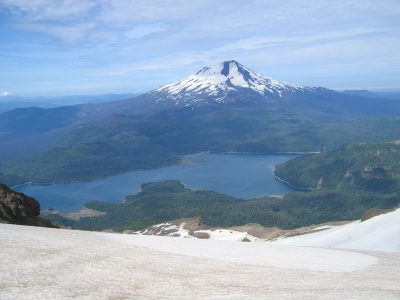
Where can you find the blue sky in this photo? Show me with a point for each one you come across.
(60, 47)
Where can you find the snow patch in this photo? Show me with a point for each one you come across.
(228, 235)
(380, 233)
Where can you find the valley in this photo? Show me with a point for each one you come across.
(97, 154)
(226, 108)
(243, 176)
(164, 201)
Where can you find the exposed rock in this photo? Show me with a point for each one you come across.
(83, 213)
(273, 233)
(195, 228)
(201, 235)
(17, 208)
(164, 229)
(193, 224)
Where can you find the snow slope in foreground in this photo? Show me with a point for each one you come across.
(43, 263)
(380, 233)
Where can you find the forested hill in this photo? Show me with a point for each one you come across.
(125, 143)
(373, 167)
(169, 200)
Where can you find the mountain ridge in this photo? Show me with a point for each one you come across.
(18, 208)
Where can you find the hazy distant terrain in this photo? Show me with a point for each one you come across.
(224, 108)
(12, 102)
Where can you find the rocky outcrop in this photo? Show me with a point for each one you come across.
(17, 208)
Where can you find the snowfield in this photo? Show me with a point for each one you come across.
(380, 233)
(44, 263)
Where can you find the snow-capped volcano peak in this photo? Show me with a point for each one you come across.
(226, 78)
(231, 74)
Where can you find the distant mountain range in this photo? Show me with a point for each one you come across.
(230, 83)
(227, 107)
(361, 93)
(387, 94)
(13, 102)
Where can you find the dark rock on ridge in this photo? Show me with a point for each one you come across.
(17, 208)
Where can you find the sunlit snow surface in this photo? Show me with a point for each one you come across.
(41, 263)
(380, 233)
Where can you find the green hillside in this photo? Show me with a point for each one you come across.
(373, 167)
(124, 143)
(168, 200)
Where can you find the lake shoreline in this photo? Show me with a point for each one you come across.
(244, 176)
(182, 161)
(290, 185)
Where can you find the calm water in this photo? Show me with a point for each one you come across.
(239, 175)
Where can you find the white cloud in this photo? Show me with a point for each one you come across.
(123, 11)
(5, 94)
(39, 10)
(69, 33)
(143, 30)
(281, 49)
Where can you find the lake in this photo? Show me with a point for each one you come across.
(240, 175)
